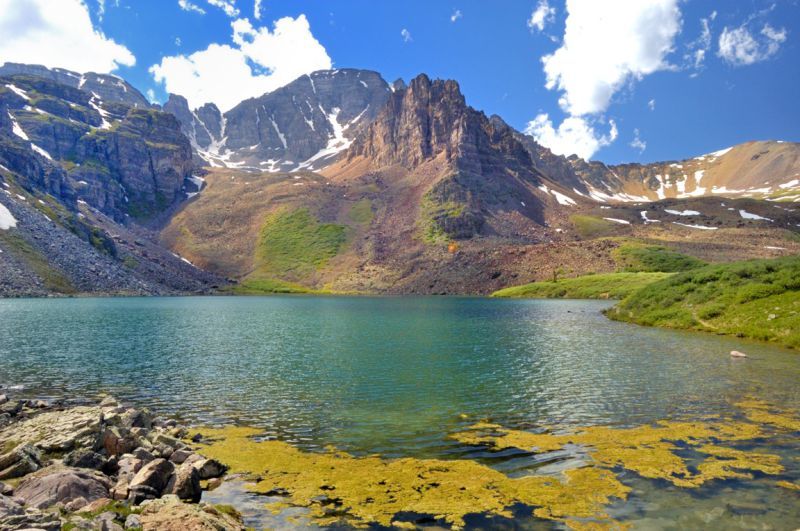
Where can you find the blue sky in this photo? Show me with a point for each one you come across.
(745, 88)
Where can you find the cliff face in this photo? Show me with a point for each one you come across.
(485, 173)
(121, 159)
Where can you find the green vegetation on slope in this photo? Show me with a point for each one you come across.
(268, 285)
(607, 286)
(291, 246)
(637, 257)
(593, 227)
(758, 299)
(361, 212)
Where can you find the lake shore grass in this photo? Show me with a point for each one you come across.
(756, 299)
(604, 286)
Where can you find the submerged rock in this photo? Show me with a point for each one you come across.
(737, 354)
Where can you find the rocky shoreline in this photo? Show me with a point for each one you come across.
(77, 464)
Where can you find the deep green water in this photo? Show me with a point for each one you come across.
(391, 375)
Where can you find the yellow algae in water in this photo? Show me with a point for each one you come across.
(372, 490)
(763, 413)
(647, 450)
(788, 485)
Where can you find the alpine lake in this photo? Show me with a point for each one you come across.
(443, 412)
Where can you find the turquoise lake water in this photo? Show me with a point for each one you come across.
(393, 375)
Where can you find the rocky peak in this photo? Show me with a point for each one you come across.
(104, 86)
(303, 125)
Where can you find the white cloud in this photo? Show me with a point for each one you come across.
(456, 15)
(406, 35)
(57, 34)
(637, 142)
(186, 5)
(606, 46)
(739, 46)
(227, 6)
(651, 104)
(541, 16)
(222, 73)
(151, 96)
(257, 10)
(698, 49)
(575, 135)
(177, 41)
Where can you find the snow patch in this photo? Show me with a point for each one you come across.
(18, 91)
(683, 212)
(646, 219)
(41, 152)
(790, 184)
(7, 221)
(702, 227)
(621, 221)
(747, 215)
(563, 199)
(16, 129)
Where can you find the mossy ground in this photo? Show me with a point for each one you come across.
(638, 257)
(757, 299)
(606, 286)
(593, 227)
(293, 245)
(363, 491)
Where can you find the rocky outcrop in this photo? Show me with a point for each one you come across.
(95, 486)
(123, 160)
(485, 168)
(303, 125)
(169, 514)
(58, 485)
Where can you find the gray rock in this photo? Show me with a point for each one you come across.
(185, 484)
(128, 468)
(3, 399)
(209, 468)
(76, 504)
(144, 455)
(106, 522)
(151, 481)
(20, 461)
(6, 490)
(58, 431)
(133, 521)
(180, 456)
(14, 517)
(85, 458)
(57, 485)
(118, 441)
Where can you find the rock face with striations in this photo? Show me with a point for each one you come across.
(484, 168)
(123, 160)
(302, 125)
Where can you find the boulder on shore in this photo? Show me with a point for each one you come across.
(169, 514)
(62, 485)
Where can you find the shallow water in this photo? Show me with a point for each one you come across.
(397, 375)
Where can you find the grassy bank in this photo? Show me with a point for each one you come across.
(606, 286)
(758, 299)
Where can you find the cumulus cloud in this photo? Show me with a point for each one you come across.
(258, 61)
(606, 46)
(651, 104)
(575, 135)
(227, 6)
(257, 10)
(57, 34)
(186, 5)
(637, 142)
(406, 35)
(456, 15)
(541, 16)
(740, 46)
